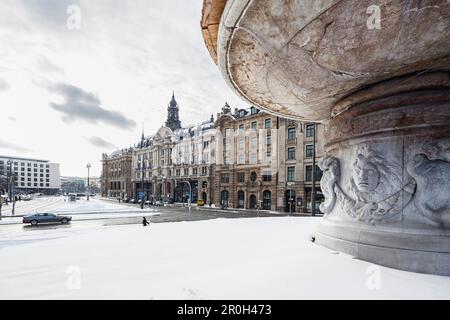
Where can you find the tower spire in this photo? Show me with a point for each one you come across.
(173, 122)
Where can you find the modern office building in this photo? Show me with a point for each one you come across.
(27, 175)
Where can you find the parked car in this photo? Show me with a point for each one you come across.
(35, 219)
(200, 202)
(159, 203)
(133, 200)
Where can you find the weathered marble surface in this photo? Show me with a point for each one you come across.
(299, 58)
(387, 175)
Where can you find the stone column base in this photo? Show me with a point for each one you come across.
(387, 174)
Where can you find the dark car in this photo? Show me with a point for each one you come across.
(37, 218)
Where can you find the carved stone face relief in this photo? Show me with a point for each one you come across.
(373, 190)
(365, 174)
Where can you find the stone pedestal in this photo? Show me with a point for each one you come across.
(387, 174)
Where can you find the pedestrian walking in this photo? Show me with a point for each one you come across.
(145, 222)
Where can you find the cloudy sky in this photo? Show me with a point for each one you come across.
(68, 94)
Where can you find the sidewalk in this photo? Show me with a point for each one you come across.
(258, 212)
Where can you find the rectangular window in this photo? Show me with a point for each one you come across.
(267, 123)
(269, 138)
(267, 177)
(291, 154)
(241, 177)
(254, 126)
(186, 172)
(308, 173)
(241, 129)
(194, 171)
(241, 144)
(241, 159)
(253, 158)
(291, 133)
(253, 143)
(310, 130)
(309, 149)
(225, 178)
(291, 174)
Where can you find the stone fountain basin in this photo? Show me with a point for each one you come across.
(297, 59)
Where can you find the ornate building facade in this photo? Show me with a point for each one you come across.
(266, 162)
(116, 174)
(245, 159)
(175, 162)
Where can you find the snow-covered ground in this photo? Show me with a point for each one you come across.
(80, 210)
(259, 258)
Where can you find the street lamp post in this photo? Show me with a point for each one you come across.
(313, 187)
(190, 197)
(12, 198)
(1, 198)
(142, 183)
(290, 202)
(88, 166)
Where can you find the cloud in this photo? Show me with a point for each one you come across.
(3, 85)
(101, 143)
(46, 66)
(13, 147)
(86, 106)
(11, 118)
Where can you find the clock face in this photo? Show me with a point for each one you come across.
(253, 176)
